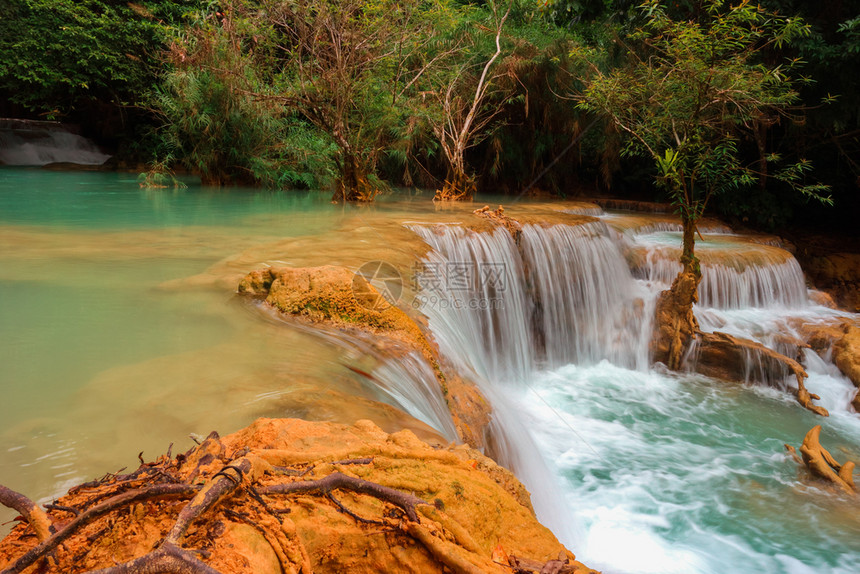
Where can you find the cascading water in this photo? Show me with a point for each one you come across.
(517, 309)
(404, 381)
(474, 294)
(686, 474)
(588, 307)
(564, 294)
(24, 142)
(409, 383)
(736, 273)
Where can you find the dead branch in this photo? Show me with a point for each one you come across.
(225, 481)
(34, 515)
(337, 480)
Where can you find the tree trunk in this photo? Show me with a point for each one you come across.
(675, 324)
(458, 187)
(688, 255)
(353, 183)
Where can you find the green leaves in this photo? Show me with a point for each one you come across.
(668, 163)
(54, 53)
(694, 89)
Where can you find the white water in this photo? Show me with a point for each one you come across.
(736, 273)
(42, 143)
(659, 472)
(409, 383)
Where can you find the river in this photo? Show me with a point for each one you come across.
(122, 334)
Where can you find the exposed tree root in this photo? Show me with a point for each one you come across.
(717, 355)
(675, 322)
(118, 501)
(338, 480)
(821, 463)
(722, 355)
(168, 559)
(441, 550)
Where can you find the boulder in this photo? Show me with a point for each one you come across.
(291, 496)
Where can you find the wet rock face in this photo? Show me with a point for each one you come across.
(846, 352)
(837, 274)
(462, 512)
(846, 356)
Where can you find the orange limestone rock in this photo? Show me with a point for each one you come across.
(291, 496)
(337, 297)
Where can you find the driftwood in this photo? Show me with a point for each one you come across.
(821, 463)
(500, 217)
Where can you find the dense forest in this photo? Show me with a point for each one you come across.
(749, 110)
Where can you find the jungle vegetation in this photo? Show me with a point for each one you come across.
(751, 109)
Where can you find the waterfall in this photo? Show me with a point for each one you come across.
(588, 306)
(565, 294)
(555, 330)
(475, 296)
(24, 142)
(409, 383)
(500, 311)
(772, 284)
(736, 273)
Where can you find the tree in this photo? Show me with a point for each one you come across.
(693, 94)
(86, 59)
(689, 96)
(347, 66)
(465, 116)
